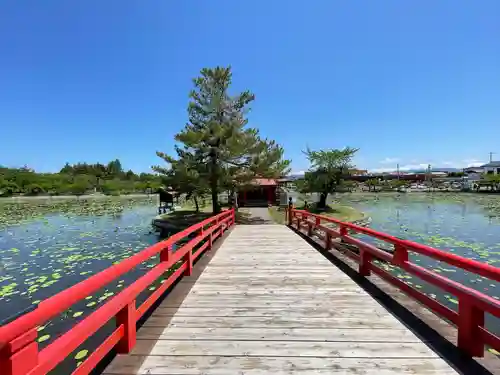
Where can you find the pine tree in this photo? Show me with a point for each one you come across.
(182, 175)
(224, 152)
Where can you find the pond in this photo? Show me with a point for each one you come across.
(46, 247)
(463, 224)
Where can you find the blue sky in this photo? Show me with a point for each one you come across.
(413, 82)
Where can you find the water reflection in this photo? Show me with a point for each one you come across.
(460, 224)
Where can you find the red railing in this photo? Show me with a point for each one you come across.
(19, 353)
(472, 304)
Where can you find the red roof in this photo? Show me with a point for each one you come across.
(264, 182)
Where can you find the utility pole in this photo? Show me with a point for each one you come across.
(491, 156)
(398, 170)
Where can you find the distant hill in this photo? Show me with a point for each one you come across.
(447, 170)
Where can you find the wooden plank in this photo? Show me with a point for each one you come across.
(309, 312)
(247, 348)
(274, 321)
(208, 365)
(276, 334)
(270, 304)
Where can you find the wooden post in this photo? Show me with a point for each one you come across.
(400, 255)
(317, 221)
(20, 356)
(343, 232)
(127, 317)
(328, 241)
(364, 262)
(166, 253)
(188, 258)
(470, 319)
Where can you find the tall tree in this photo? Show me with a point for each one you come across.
(225, 151)
(114, 168)
(182, 175)
(328, 168)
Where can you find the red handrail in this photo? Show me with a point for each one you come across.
(472, 304)
(19, 354)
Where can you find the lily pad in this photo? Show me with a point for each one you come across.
(81, 354)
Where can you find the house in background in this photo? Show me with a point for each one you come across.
(473, 170)
(493, 167)
(261, 192)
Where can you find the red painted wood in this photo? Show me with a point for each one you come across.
(432, 304)
(97, 355)
(126, 317)
(159, 292)
(18, 362)
(470, 265)
(188, 258)
(400, 255)
(470, 319)
(19, 352)
(166, 253)
(365, 260)
(489, 338)
(473, 304)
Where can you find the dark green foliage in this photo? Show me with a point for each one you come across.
(183, 175)
(327, 171)
(76, 179)
(221, 152)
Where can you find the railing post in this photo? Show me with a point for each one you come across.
(20, 356)
(470, 319)
(290, 213)
(309, 228)
(165, 254)
(328, 241)
(343, 232)
(365, 259)
(210, 240)
(400, 255)
(188, 258)
(127, 317)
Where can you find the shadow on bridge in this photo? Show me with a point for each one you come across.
(437, 334)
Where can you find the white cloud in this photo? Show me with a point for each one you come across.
(389, 161)
(300, 173)
(473, 162)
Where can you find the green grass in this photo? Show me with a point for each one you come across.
(277, 214)
(339, 212)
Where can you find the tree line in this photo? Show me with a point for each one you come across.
(216, 152)
(76, 179)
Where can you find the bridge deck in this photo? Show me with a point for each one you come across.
(270, 304)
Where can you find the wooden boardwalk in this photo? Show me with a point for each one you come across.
(268, 303)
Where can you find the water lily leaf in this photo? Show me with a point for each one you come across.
(493, 351)
(43, 338)
(81, 354)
